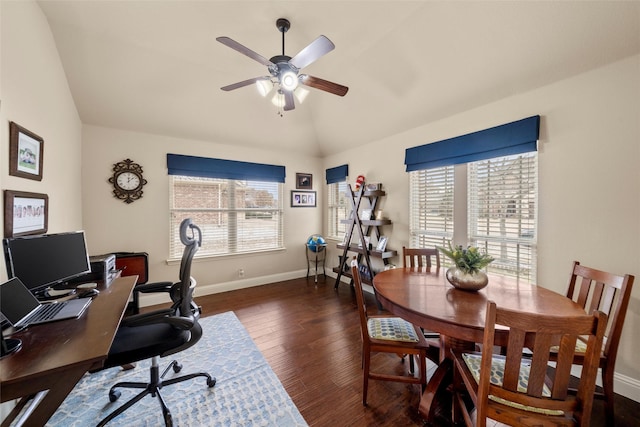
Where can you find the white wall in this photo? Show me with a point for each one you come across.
(143, 226)
(35, 94)
(589, 183)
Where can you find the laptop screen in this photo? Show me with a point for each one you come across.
(16, 301)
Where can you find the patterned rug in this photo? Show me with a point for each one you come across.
(247, 392)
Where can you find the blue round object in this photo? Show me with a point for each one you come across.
(316, 243)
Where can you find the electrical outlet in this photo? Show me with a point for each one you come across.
(241, 273)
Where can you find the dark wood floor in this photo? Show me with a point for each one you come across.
(310, 336)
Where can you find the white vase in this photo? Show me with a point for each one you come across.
(467, 281)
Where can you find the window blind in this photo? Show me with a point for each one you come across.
(431, 207)
(502, 212)
(337, 209)
(235, 216)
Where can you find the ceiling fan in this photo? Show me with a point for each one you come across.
(284, 71)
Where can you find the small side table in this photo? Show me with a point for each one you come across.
(316, 257)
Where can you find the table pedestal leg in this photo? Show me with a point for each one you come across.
(435, 404)
(436, 400)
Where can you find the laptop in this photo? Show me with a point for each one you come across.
(21, 308)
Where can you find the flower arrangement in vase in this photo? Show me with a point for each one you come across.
(469, 262)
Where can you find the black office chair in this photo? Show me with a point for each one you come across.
(160, 333)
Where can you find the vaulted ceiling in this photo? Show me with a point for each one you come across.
(156, 67)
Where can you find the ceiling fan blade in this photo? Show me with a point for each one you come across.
(244, 83)
(314, 50)
(244, 50)
(327, 86)
(289, 103)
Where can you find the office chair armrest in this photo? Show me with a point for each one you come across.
(153, 287)
(184, 323)
(157, 316)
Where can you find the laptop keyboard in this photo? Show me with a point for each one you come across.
(46, 312)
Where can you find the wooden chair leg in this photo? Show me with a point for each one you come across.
(365, 375)
(609, 395)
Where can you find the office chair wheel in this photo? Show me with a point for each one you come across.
(114, 395)
(177, 367)
(211, 382)
(168, 421)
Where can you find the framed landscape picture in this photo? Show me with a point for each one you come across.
(25, 153)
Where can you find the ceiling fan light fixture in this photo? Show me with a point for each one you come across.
(278, 99)
(289, 80)
(301, 94)
(264, 87)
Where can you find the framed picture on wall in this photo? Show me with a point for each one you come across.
(303, 199)
(25, 213)
(25, 153)
(304, 181)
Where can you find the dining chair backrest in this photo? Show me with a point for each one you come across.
(419, 257)
(598, 290)
(529, 390)
(360, 301)
(610, 293)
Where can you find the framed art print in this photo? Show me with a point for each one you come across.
(304, 181)
(25, 153)
(25, 213)
(303, 199)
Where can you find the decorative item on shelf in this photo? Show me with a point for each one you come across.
(373, 187)
(359, 181)
(382, 244)
(469, 261)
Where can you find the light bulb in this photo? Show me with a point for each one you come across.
(289, 80)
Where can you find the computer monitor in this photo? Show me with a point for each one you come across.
(46, 260)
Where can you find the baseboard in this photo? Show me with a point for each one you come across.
(148, 300)
(623, 385)
(626, 386)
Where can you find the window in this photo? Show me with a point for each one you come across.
(237, 205)
(498, 214)
(431, 215)
(502, 203)
(495, 173)
(338, 206)
(236, 216)
(337, 209)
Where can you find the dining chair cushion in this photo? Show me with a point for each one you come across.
(581, 346)
(473, 362)
(392, 329)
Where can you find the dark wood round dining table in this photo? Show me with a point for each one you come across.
(425, 298)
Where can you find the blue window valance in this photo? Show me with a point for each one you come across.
(337, 174)
(227, 169)
(504, 140)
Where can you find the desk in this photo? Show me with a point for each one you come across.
(54, 356)
(425, 298)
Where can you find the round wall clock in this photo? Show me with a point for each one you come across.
(127, 181)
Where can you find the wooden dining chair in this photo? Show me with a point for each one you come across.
(387, 334)
(598, 290)
(419, 257)
(422, 257)
(518, 390)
